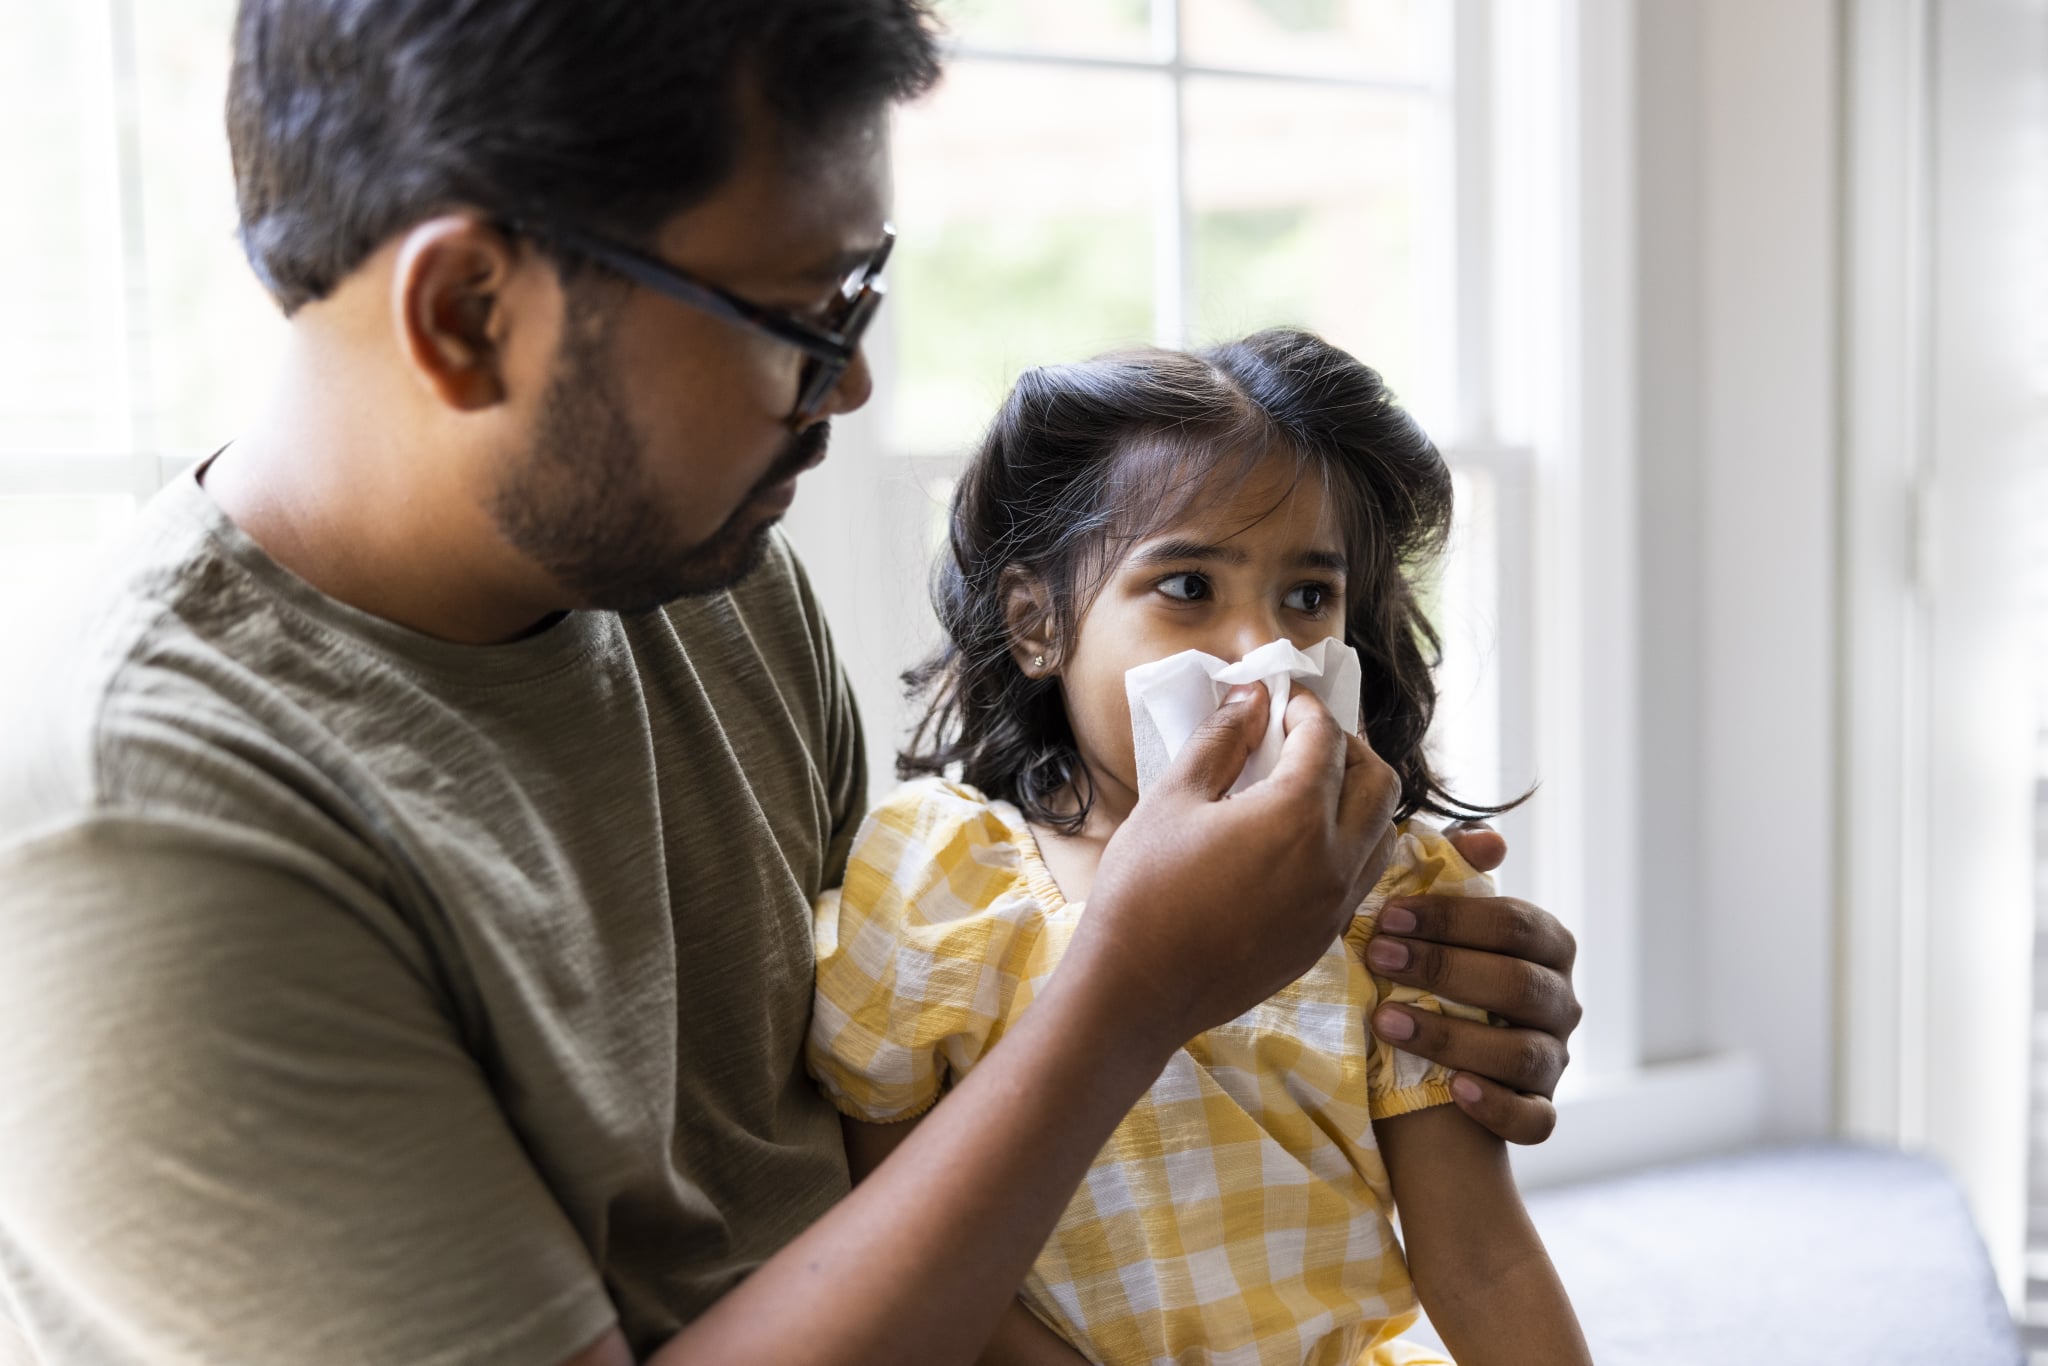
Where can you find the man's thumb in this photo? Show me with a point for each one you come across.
(1215, 754)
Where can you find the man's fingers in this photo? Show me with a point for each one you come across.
(1479, 844)
(1498, 924)
(1523, 993)
(1508, 1114)
(1312, 754)
(1525, 1060)
(1214, 755)
(1372, 790)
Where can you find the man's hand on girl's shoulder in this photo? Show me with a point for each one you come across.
(1504, 955)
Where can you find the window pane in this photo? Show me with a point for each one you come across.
(1397, 39)
(1463, 602)
(216, 333)
(1121, 28)
(1024, 203)
(1307, 205)
(63, 362)
(136, 324)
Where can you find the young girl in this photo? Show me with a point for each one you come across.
(1121, 511)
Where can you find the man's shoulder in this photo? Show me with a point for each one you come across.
(149, 666)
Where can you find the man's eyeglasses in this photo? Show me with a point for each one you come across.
(831, 342)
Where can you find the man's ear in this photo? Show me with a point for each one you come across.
(448, 291)
(1029, 622)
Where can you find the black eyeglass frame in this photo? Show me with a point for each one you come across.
(831, 348)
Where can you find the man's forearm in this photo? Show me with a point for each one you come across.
(920, 1261)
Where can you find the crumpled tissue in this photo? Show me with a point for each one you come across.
(1170, 697)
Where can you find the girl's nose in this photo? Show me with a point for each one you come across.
(1249, 630)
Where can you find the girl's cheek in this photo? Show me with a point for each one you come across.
(1103, 730)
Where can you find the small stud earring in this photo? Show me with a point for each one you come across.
(1038, 661)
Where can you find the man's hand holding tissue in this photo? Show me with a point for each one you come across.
(1502, 955)
(1203, 905)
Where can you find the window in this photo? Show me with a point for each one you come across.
(139, 333)
(1392, 173)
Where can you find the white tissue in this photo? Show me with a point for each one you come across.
(1170, 697)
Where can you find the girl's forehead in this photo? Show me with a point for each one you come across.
(1259, 495)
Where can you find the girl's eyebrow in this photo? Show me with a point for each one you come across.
(1167, 552)
(1162, 552)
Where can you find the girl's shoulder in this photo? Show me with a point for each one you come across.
(1425, 861)
(938, 808)
(932, 838)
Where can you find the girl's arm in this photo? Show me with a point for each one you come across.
(1478, 1265)
(1020, 1338)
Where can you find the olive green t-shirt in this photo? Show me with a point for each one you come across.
(368, 998)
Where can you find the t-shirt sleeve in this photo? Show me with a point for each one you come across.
(240, 1127)
(920, 954)
(1424, 861)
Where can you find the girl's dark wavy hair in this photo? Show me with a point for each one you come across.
(1085, 459)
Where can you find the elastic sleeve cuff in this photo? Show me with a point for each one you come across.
(877, 1114)
(1430, 1094)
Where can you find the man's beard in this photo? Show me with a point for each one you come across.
(585, 507)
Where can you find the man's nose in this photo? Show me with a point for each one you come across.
(856, 386)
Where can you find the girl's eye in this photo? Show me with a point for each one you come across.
(1311, 598)
(1185, 587)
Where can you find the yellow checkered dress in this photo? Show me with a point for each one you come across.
(1239, 1214)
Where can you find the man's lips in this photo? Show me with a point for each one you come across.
(806, 453)
(778, 490)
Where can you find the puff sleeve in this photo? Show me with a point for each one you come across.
(1424, 861)
(937, 938)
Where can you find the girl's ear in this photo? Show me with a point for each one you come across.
(1028, 620)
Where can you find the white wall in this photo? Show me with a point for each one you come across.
(1668, 510)
(1737, 176)
(1767, 399)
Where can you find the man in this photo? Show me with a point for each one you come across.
(406, 884)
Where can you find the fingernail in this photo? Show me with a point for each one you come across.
(1393, 1024)
(1237, 696)
(1397, 920)
(1387, 955)
(1465, 1089)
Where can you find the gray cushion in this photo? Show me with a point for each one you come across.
(1826, 1254)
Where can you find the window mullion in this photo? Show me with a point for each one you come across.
(1173, 282)
(1472, 222)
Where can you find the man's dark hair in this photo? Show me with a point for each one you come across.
(349, 120)
(1085, 460)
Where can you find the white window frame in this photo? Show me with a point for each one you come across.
(1944, 418)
